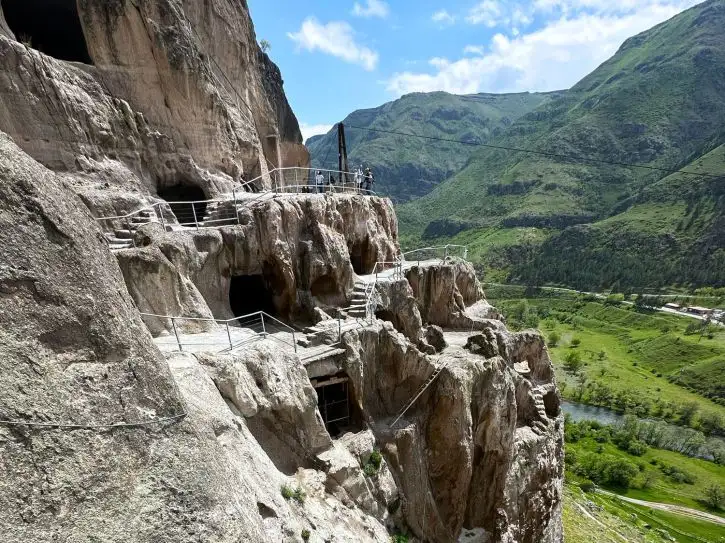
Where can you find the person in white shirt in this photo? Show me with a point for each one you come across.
(320, 182)
(358, 178)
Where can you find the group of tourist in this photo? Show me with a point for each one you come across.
(364, 180)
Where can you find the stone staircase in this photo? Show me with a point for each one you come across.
(221, 214)
(122, 238)
(538, 426)
(540, 407)
(358, 309)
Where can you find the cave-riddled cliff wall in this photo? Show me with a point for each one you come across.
(176, 92)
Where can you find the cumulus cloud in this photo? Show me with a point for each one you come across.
(336, 38)
(553, 57)
(442, 17)
(309, 130)
(372, 8)
(474, 50)
(488, 12)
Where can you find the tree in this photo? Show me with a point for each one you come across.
(715, 496)
(554, 339)
(265, 46)
(573, 362)
(576, 342)
(688, 412)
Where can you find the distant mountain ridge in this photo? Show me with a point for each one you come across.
(660, 102)
(408, 168)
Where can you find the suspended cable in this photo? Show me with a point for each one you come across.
(110, 426)
(570, 158)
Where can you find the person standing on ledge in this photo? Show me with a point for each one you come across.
(320, 182)
(369, 181)
(358, 179)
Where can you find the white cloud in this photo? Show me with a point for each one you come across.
(443, 18)
(309, 130)
(335, 38)
(474, 50)
(488, 12)
(553, 57)
(372, 8)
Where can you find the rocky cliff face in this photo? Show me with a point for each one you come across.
(104, 438)
(177, 93)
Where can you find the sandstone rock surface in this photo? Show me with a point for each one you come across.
(231, 446)
(300, 245)
(179, 93)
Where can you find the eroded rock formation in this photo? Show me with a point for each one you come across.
(104, 438)
(299, 246)
(178, 93)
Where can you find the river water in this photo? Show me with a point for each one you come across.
(579, 412)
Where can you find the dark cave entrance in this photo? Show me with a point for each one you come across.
(337, 405)
(179, 198)
(551, 404)
(52, 27)
(325, 290)
(250, 294)
(361, 258)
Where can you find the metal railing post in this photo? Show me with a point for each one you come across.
(236, 209)
(445, 254)
(339, 330)
(264, 328)
(196, 222)
(176, 333)
(229, 335)
(128, 226)
(294, 341)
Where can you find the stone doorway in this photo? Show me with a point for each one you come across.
(250, 294)
(337, 405)
(361, 257)
(52, 27)
(180, 197)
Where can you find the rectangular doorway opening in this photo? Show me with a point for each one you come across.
(337, 405)
(250, 294)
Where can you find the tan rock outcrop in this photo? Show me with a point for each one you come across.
(179, 92)
(473, 452)
(449, 294)
(301, 246)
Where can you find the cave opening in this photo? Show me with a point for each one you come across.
(385, 315)
(325, 290)
(337, 404)
(552, 405)
(186, 202)
(360, 257)
(52, 27)
(250, 294)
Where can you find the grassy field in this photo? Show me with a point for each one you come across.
(652, 484)
(645, 364)
(595, 518)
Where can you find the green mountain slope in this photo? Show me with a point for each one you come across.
(404, 167)
(660, 101)
(672, 232)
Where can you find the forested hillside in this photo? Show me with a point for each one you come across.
(566, 216)
(407, 168)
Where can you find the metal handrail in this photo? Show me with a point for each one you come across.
(307, 188)
(261, 315)
(445, 248)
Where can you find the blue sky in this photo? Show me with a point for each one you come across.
(337, 56)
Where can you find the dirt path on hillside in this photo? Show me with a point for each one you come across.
(677, 509)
